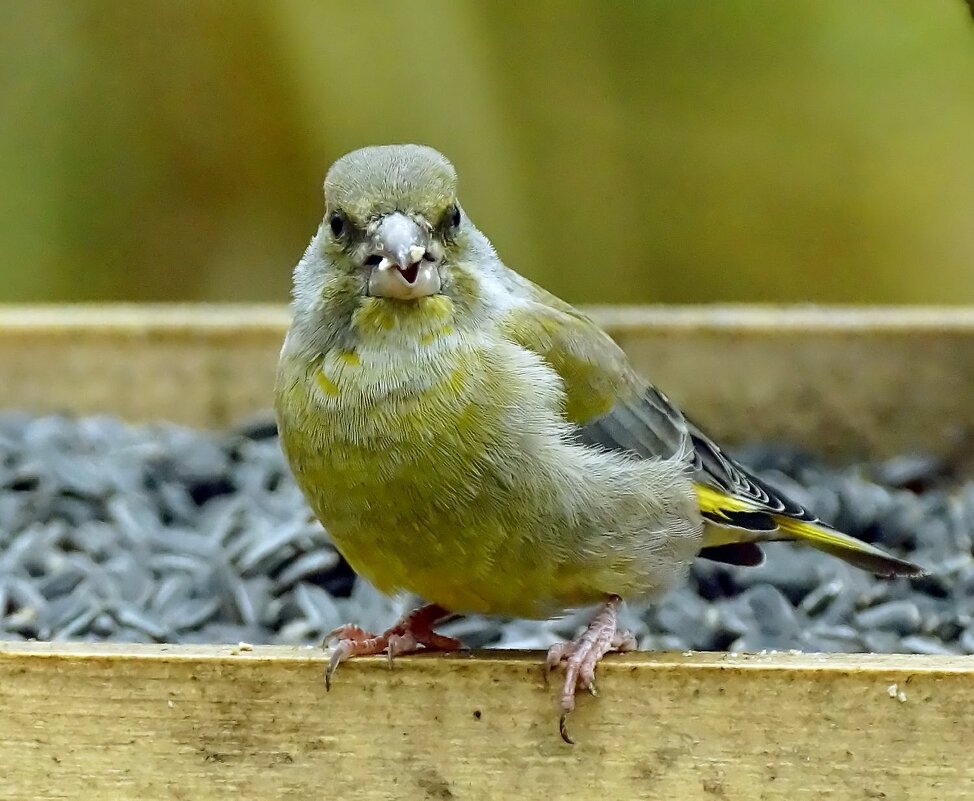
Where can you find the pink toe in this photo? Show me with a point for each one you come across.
(556, 653)
(401, 644)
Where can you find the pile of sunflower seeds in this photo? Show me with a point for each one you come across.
(166, 534)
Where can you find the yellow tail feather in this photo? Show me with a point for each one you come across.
(855, 552)
(818, 535)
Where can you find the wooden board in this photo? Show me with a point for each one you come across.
(201, 723)
(849, 382)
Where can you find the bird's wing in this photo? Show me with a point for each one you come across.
(611, 405)
(616, 409)
(593, 368)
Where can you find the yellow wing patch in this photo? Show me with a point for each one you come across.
(713, 501)
(717, 504)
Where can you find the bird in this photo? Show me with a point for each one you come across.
(465, 436)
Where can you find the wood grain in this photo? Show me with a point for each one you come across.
(849, 382)
(202, 722)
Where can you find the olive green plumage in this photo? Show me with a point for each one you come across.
(466, 436)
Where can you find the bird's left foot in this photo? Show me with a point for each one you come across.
(582, 654)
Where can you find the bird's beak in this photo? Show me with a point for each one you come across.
(401, 266)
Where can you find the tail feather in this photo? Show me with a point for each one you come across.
(731, 515)
(855, 552)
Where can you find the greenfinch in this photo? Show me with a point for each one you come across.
(466, 436)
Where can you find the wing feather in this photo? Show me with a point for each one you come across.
(613, 408)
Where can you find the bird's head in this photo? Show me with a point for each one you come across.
(394, 239)
(391, 215)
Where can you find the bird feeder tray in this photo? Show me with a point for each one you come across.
(109, 721)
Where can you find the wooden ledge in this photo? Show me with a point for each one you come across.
(850, 382)
(204, 722)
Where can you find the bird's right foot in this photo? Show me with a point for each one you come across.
(413, 633)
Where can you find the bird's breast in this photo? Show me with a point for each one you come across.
(445, 470)
(409, 455)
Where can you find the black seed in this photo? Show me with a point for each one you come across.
(112, 532)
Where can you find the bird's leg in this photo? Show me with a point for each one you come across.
(582, 654)
(413, 631)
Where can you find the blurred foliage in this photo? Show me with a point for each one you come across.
(665, 150)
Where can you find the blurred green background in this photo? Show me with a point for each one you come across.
(747, 150)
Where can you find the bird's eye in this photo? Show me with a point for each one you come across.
(455, 217)
(337, 223)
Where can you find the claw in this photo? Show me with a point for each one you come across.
(328, 638)
(338, 655)
(563, 729)
(407, 643)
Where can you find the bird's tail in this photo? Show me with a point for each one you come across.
(855, 552)
(737, 520)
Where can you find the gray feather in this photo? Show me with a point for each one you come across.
(652, 427)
